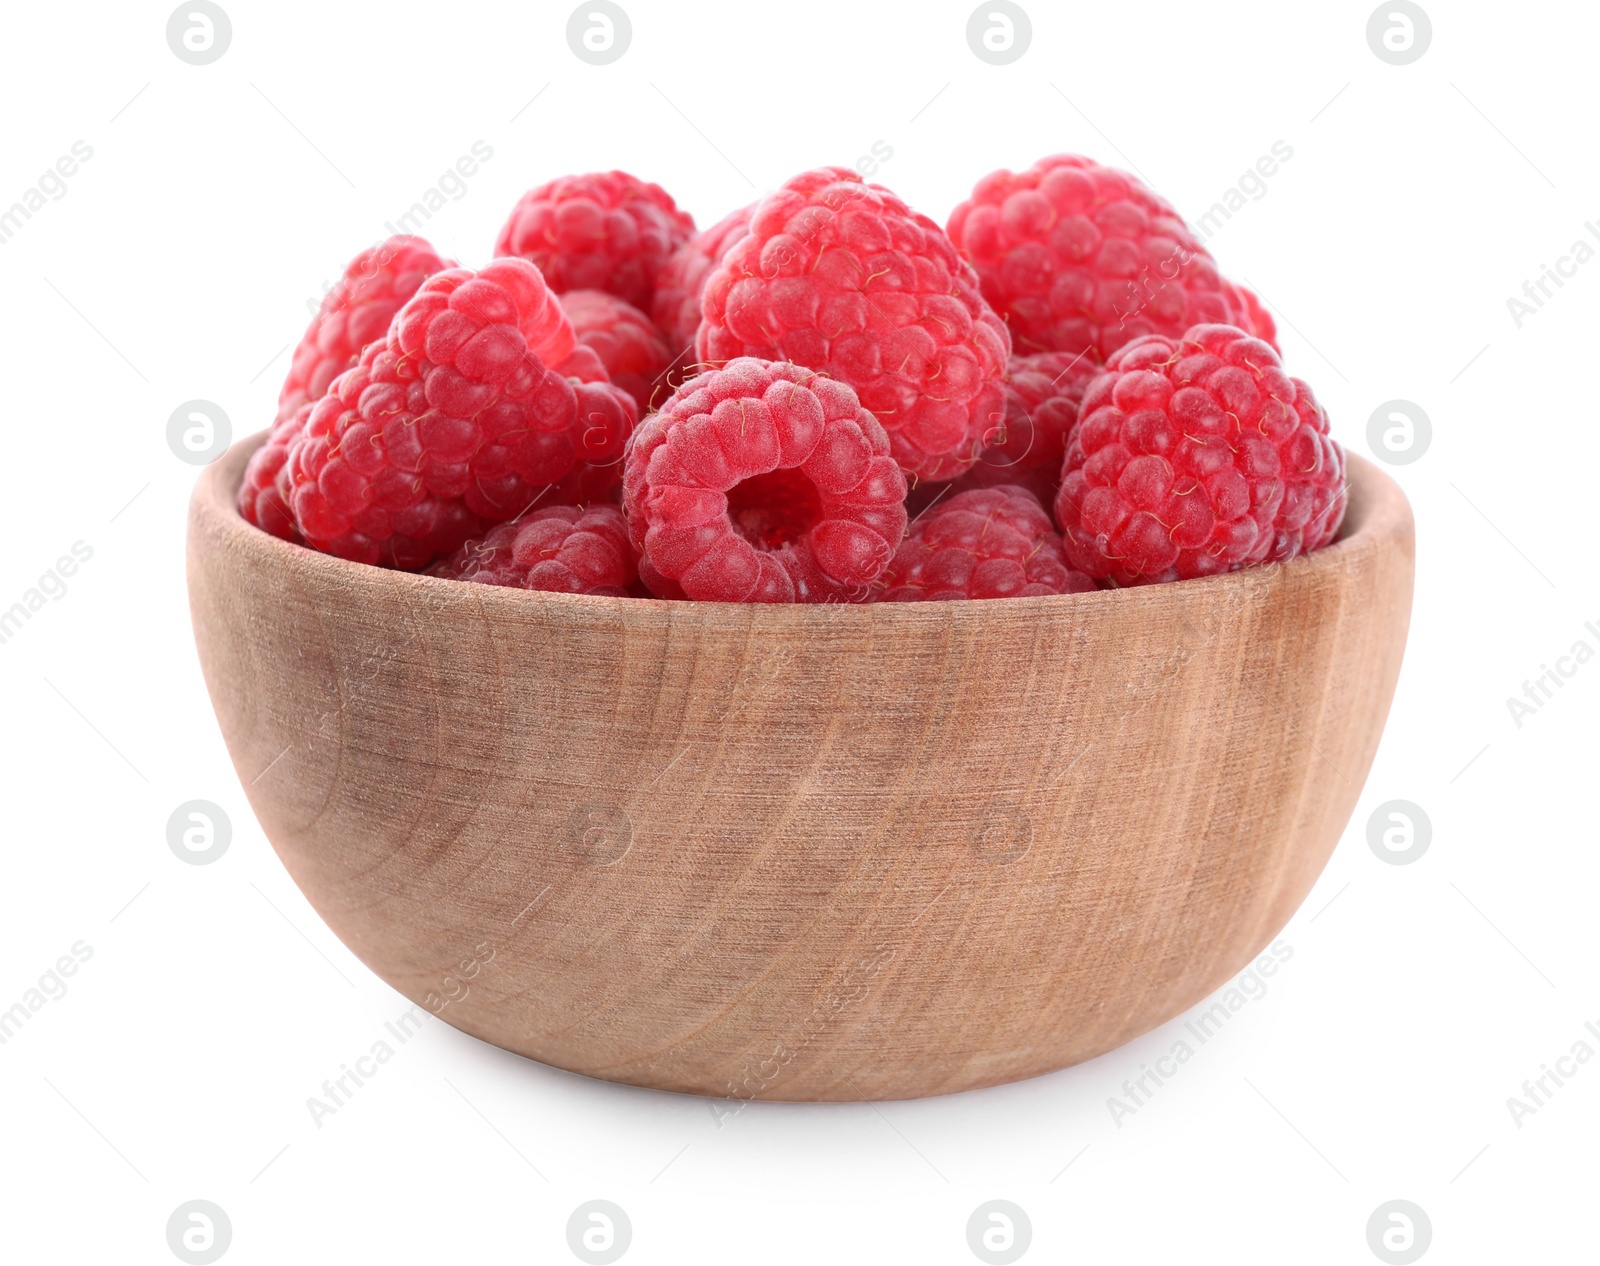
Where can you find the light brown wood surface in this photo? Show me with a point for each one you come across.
(817, 853)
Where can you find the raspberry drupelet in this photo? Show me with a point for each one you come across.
(1043, 392)
(451, 422)
(603, 231)
(563, 549)
(841, 276)
(355, 312)
(263, 493)
(762, 482)
(676, 307)
(625, 341)
(984, 543)
(1079, 257)
(1194, 456)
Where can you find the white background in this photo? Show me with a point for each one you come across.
(220, 198)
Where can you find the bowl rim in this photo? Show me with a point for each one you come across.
(1376, 512)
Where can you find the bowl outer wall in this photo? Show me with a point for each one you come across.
(795, 852)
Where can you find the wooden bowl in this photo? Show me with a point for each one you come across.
(792, 852)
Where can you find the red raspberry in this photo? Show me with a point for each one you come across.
(560, 548)
(1042, 396)
(1079, 257)
(762, 482)
(986, 543)
(1196, 456)
(263, 493)
(1257, 320)
(357, 311)
(589, 484)
(627, 343)
(606, 418)
(584, 364)
(606, 231)
(676, 307)
(451, 421)
(841, 276)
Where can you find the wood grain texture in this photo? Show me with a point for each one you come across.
(814, 853)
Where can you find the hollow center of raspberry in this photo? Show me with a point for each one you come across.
(775, 509)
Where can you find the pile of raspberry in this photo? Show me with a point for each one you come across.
(824, 397)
